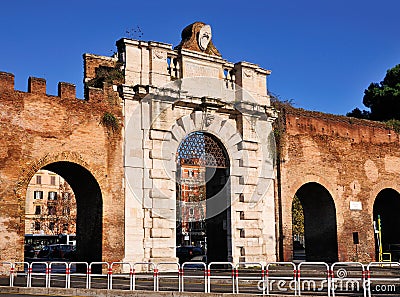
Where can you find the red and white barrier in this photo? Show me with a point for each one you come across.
(63, 272)
(104, 266)
(254, 274)
(126, 272)
(210, 276)
(150, 268)
(164, 271)
(189, 266)
(280, 273)
(348, 277)
(75, 273)
(307, 279)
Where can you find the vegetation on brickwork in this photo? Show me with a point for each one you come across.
(279, 124)
(110, 121)
(297, 217)
(394, 125)
(383, 99)
(107, 75)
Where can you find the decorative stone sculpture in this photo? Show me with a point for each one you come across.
(204, 37)
(197, 37)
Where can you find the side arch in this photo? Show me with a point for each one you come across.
(386, 211)
(379, 187)
(320, 227)
(28, 171)
(88, 195)
(310, 178)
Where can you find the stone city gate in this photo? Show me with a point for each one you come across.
(118, 150)
(170, 97)
(122, 149)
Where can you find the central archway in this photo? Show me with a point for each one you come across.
(203, 197)
(320, 229)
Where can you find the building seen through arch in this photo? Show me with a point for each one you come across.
(50, 205)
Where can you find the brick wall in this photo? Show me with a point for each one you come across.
(353, 159)
(38, 130)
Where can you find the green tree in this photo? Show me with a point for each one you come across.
(358, 113)
(297, 217)
(382, 98)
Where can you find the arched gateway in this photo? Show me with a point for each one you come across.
(386, 222)
(198, 160)
(203, 196)
(118, 150)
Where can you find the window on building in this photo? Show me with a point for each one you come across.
(52, 195)
(51, 210)
(66, 195)
(38, 210)
(53, 180)
(38, 179)
(66, 211)
(38, 194)
(37, 226)
(51, 226)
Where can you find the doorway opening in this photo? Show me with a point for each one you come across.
(203, 200)
(64, 200)
(320, 229)
(387, 207)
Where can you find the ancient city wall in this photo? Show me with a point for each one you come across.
(40, 130)
(353, 159)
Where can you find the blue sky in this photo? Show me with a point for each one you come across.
(322, 54)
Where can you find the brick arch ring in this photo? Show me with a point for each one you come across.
(311, 178)
(377, 188)
(28, 171)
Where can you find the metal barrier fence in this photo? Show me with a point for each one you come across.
(283, 274)
(348, 276)
(380, 275)
(19, 269)
(150, 268)
(77, 272)
(230, 271)
(340, 277)
(62, 272)
(11, 273)
(124, 275)
(250, 271)
(309, 279)
(36, 270)
(103, 274)
(194, 266)
(164, 271)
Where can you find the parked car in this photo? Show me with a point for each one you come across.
(57, 251)
(187, 252)
(29, 251)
